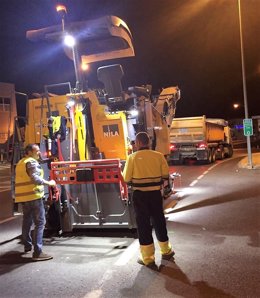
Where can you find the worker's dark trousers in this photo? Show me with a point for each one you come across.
(149, 210)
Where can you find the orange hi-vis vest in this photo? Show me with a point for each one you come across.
(25, 189)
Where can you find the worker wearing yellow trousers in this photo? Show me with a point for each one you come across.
(145, 170)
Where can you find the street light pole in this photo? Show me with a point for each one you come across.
(62, 11)
(71, 42)
(77, 68)
(249, 153)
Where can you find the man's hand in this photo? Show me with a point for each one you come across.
(52, 183)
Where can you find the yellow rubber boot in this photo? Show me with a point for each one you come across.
(147, 254)
(166, 250)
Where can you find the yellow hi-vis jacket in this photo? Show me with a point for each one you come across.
(145, 170)
(25, 189)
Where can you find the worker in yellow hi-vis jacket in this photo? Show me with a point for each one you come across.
(29, 190)
(145, 170)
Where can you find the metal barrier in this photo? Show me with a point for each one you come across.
(89, 171)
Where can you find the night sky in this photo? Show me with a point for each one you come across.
(190, 43)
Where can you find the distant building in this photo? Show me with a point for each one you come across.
(8, 112)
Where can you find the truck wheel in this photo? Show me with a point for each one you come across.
(209, 156)
(230, 152)
(222, 154)
(213, 155)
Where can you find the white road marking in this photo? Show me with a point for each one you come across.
(209, 169)
(108, 274)
(7, 219)
(193, 182)
(201, 176)
(94, 294)
(128, 254)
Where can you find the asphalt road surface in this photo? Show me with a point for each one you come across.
(214, 229)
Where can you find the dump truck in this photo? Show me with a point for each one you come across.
(8, 113)
(200, 138)
(85, 136)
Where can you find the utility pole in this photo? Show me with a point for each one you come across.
(249, 153)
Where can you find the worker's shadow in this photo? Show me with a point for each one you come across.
(175, 281)
(12, 260)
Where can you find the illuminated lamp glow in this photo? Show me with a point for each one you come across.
(61, 8)
(69, 41)
(84, 66)
(70, 104)
(134, 113)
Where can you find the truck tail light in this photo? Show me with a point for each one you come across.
(173, 147)
(202, 145)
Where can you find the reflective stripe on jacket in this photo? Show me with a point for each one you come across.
(145, 170)
(25, 189)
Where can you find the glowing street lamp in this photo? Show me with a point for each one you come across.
(62, 11)
(69, 41)
(84, 66)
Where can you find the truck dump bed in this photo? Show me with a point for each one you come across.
(195, 129)
(199, 138)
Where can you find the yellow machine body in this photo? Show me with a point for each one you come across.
(110, 129)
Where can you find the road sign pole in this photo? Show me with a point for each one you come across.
(249, 153)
